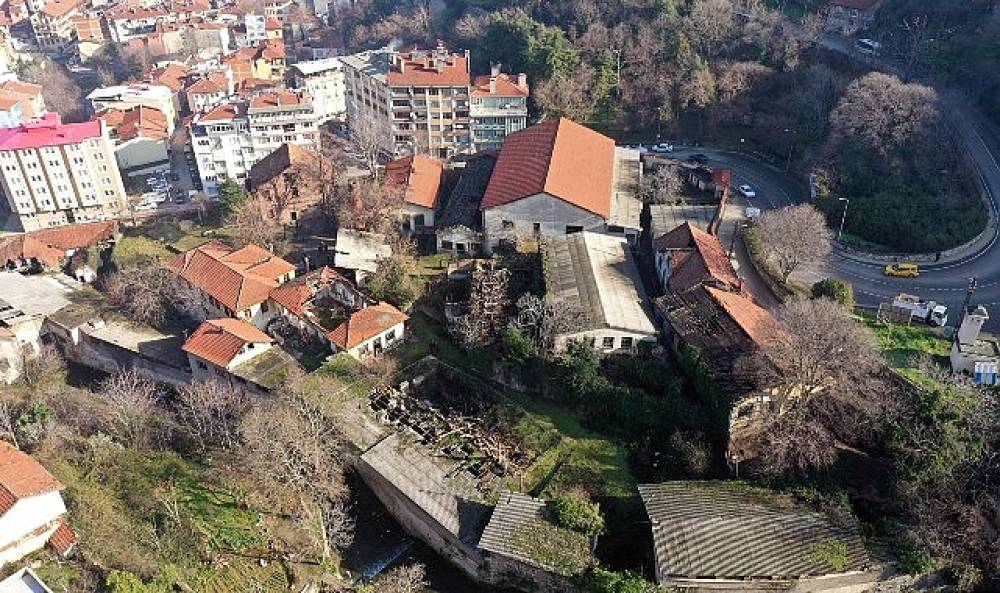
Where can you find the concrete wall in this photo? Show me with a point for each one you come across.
(598, 336)
(142, 155)
(110, 358)
(510, 573)
(552, 215)
(850, 582)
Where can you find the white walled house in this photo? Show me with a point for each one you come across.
(32, 512)
(420, 177)
(324, 81)
(595, 277)
(370, 331)
(124, 97)
(232, 350)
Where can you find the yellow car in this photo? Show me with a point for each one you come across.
(902, 270)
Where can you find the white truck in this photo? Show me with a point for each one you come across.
(930, 312)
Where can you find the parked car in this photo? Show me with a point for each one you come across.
(663, 147)
(143, 206)
(903, 270)
(698, 158)
(748, 192)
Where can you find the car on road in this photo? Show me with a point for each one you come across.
(698, 158)
(902, 270)
(663, 147)
(748, 191)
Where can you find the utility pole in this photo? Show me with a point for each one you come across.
(973, 282)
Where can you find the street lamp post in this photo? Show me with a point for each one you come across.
(843, 218)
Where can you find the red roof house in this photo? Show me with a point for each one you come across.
(32, 513)
(224, 342)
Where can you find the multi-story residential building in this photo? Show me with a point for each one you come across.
(414, 102)
(140, 137)
(266, 61)
(130, 19)
(53, 25)
(256, 29)
(53, 173)
(127, 96)
(324, 81)
(228, 140)
(207, 92)
(499, 107)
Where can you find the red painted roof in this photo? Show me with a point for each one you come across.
(707, 261)
(294, 294)
(22, 477)
(49, 131)
(506, 86)
(366, 324)
(58, 8)
(237, 279)
(418, 69)
(755, 321)
(422, 177)
(219, 341)
(559, 157)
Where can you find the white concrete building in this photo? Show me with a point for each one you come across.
(228, 140)
(126, 96)
(32, 512)
(324, 81)
(975, 353)
(595, 277)
(24, 581)
(54, 174)
(499, 107)
(219, 347)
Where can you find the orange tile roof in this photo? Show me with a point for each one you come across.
(366, 324)
(506, 86)
(275, 99)
(237, 279)
(272, 24)
(755, 321)
(559, 157)
(422, 177)
(63, 538)
(251, 85)
(58, 8)
(171, 76)
(48, 246)
(294, 294)
(273, 49)
(223, 112)
(205, 86)
(22, 477)
(219, 341)
(418, 70)
(136, 122)
(710, 263)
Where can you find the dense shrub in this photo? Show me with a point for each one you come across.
(575, 513)
(836, 290)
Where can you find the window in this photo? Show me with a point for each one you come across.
(626, 342)
(263, 307)
(446, 245)
(570, 229)
(608, 343)
(390, 335)
(536, 227)
(418, 220)
(202, 366)
(507, 225)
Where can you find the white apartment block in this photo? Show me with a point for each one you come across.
(499, 107)
(53, 25)
(53, 174)
(413, 102)
(127, 96)
(324, 81)
(228, 140)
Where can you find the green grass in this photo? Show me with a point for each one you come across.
(564, 551)
(427, 337)
(133, 251)
(431, 265)
(901, 344)
(216, 516)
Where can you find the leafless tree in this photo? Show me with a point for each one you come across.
(793, 236)
(8, 421)
(256, 222)
(544, 319)
(60, 93)
(132, 401)
(152, 295)
(327, 524)
(40, 366)
(210, 411)
(825, 383)
(570, 95)
(710, 24)
(662, 186)
(404, 579)
(371, 206)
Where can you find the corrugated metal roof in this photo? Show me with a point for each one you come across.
(734, 531)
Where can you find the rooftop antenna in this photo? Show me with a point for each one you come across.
(973, 282)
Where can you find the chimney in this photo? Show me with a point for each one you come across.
(968, 333)
(522, 80)
(494, 69)
(493, 84)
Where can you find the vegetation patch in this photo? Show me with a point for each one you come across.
(136, 251)
(564, 551)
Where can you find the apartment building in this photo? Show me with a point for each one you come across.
(131, 19)
(53, 173)
(228, 140)
(499, 107)
(127, 96)
(324, 81)
(53, 25)
(414, 102)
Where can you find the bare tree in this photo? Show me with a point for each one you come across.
(60, 93)
(568, 95)
(709, 24)
(152, 295)
(256, 222)
(132, 401)
(824, 382)
(371, 206)
(40, 366)
(662, 186)
(8, 422)
(793, 236)
(210, 411)
(403, 579)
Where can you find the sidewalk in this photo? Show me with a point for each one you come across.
(733, 216)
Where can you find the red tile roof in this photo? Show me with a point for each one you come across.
(275, 99)
(219, 341)
(755, 321)
(708, 260)
(49, 245)
(294, 294)
(559, 157)
(272, 24)
(49, 131)
(171, 76)
(63, 538)
(237, 279)
(366, 324)
(506, 86)
(137, 122)
(223, 112)
(418, 69)
(205, 86)
(22, 477)
(422, 177)
(58, 8)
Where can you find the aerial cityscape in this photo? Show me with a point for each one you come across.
(447, 296)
